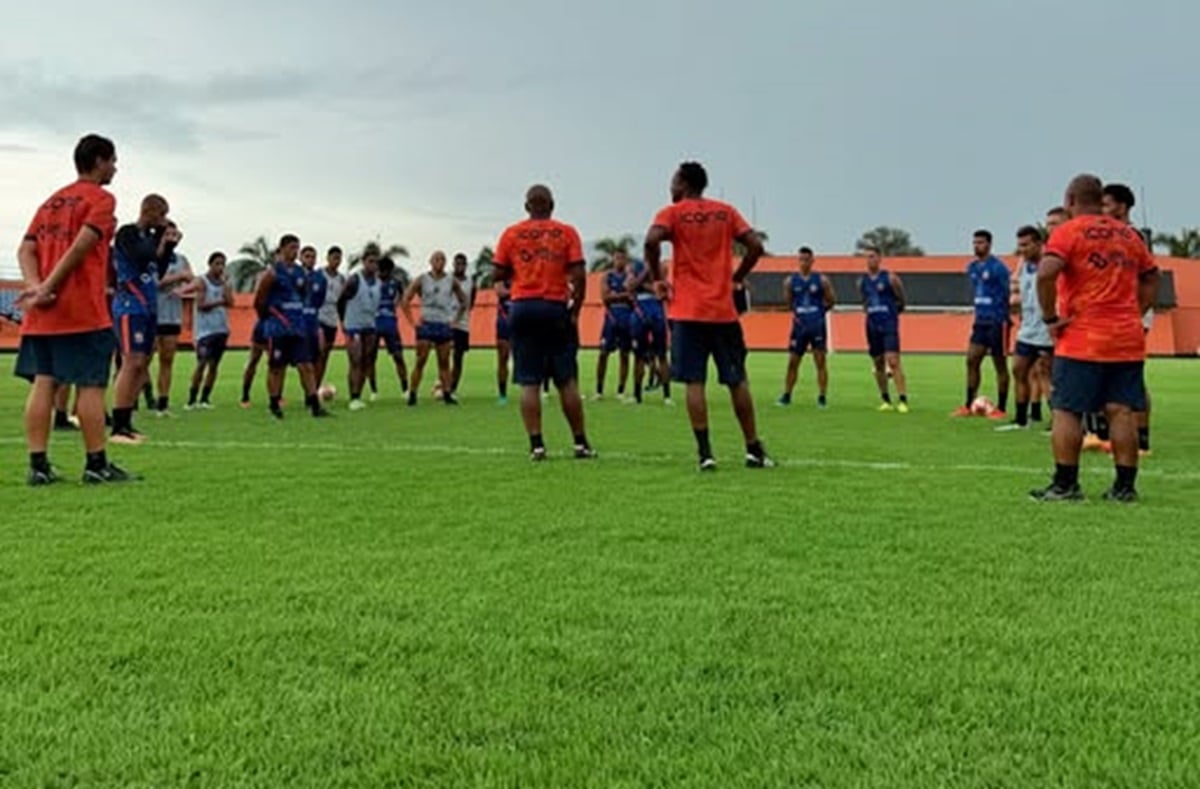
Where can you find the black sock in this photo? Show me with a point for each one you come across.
(1066, 476)
(1003, 404)
(1102, 427)
(1035, 411)
(886, 395)
(702, 444)
(581, 440)
(637, 391)
(193, 393)
(904, 398)
(245, 393)
(206, 394)
(546, 385)
(122, 419)
(1022, 414)
(666, 386)
(162, 403)
(1144, 438)
(61, 419)
(97, 461)
(38, 461)
(503, 387)
(821, 399)
(970, 396)
(1126, 477)
(148, 393)
(621, 390)
(275, 402)
(312, 403)
(536, 442)
(755, 448)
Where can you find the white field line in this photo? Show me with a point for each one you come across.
(631, 457)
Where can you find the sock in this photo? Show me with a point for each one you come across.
(97, 461)
(1102, 427)
(245, 393)
(666, 386)
(162, 403)
(887, 396)
(447, 395)
(546, 385)
(1144, 439)
(904, 398)
(275, 402)
(122, 419)
(702, 444)
(1003, 404)
(1022, 414)
(1035, 411)
(192, 394)
(1066, 476)
(536, 442)
(821, 399)
(1126, 477)
(786, 397)
(970, 396)
(412, 397)
(621, 390)
(637, 391)
(503, 387)
(148, 392)
(312, 403)
(61, 419)
(581, 440)
(206, 394)
(39, 461)
(755, 448)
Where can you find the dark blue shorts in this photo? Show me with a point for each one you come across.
(436, 333)
(286, 350)
(694, 342)
(1087, 387)
(993, 337)
(136, 334)
(544, 342)
(392, 342)
(212, 348)
(1027, 351)
(259, 335)
(882, 339)
(503, 329)
(462, 341)
(309, 348)
(330, 333)
(81, 359)
(649, 333)
(807, 337)
(616, 335)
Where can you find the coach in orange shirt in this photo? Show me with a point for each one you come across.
(542, 259)
(1103, 276)
(66, 335)
(701, 306)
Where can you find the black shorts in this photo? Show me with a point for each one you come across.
(392, 342)
(462, 340)
(212, 348)
(168, 330)
(544, 342)
(805, 337)
(309, 349)
(82, 359)
(993, 337)
(286, 350)
(882, 340)
(693, 342)
(330, 333)
(1028, 351)
(1086, 387)
(259, 335)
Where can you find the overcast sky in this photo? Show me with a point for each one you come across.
(423, 122)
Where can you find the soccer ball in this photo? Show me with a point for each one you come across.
(327, 392)
(982, 407)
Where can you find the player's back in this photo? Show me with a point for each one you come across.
(539, 252)
(702, 233)
(1099, 288)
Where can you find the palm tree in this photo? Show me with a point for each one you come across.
(739, 249)
(890, 241)
(253, 259)
(393, 251)
(607, 248)
(483, 269)
(1184, 245)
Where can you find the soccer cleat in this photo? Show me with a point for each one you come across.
(129, 438)
(277, 413)
(244, 405)
(708, 464)
(1092, 443)
(66, 427)
(206, 406)
(669, 403)
(886, 408)
(902, 408)
(357, 405)
(40, 478)
(450, 399)
(1011, 427)
(822, 405)
(961, 412)
(1144, 453)
(583, 452)
(321, 413)
(598, 396)
(997, 415)
(110, 474)
(191, 407)
(759, 461)
(538, 455)
(1054, 493)
(501, 401)
(1106, 447)
(373, 397)
(412, 398)
(163, 414)
(1121, 495)
(783, 401)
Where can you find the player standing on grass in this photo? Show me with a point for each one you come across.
(615, 336)
(443, 303)
(700, 302)
(1035, 346)
(503, 338)
(648, 328)
(258, 349)
(462, 327)
(1107, 279)
(542, 258)
(358, 307)
(138, 251)
(66, 330)
(327, 315)
(811, 298)
(387, 325)
(175, 277)
(883, 300)
(314, 298)
(1118, 202)
(989, 335)
(213, 300)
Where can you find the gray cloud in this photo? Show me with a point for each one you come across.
(16, 148)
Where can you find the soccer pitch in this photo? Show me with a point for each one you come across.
(399, 598)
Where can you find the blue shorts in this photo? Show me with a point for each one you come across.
(1087, 387)
(993, 337)
(259, 335)
(882, 339)
(1027, 351)
(330, 333)
(212, 348)
(392, 341)
(309, 348)
(503, 329)
(136, 334)
(436, 333)
(81, 359)
(544, 342)
(649, 331)
(286, 350)
(694, 342)
(806, 337)
(616, 335)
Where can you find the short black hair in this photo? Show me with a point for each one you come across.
(371, 250)
(308, 248)
(460, 256)
(1058, 210)
(288, 238)
(334, 250)
(1121, 194)
(986, 235)
(91, 150)
(806, 250)
(213, 257)
(1029, 231)
(694, 175)
(386, 264)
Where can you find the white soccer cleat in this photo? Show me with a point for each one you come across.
(669, 403)
(373, 398)
(357, 405)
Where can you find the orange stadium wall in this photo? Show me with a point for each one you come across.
(1176, 331)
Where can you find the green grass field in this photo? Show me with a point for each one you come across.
(399, 598)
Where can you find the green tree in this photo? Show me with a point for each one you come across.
(891, 242)
(739, 249)
(607, 248)
(1185, 244)
(253, 259)
(484, 272)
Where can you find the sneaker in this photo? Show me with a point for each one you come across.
(1011, 427)
(784, 401)
(759, 461)
(192, 407)
(163, 414)
(244, 405)
(357, 405)
(1121, 495)
(886, 408)
(110, 474)
(129, 438)
(321, 413)
(598, 396)
(585, 453)
(206, 406)
(1054, 493)
(902, 408)
(538, 455)
(501, 401)
(450, 400)
(708, 464)
(277, 413)
(1145, 453)
(669, 403)
(822, 405)
(412, 398)
(1092, 443)
(42, 478)
(961, 412)
(1106, 447)
(997, 415)
(373, 397)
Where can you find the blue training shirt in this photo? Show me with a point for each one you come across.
(883, 310)
(135, 260)
(315, 288)
(990, 280)
(385, 319)
(808, 299)
(617, 281)
(285, 301)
